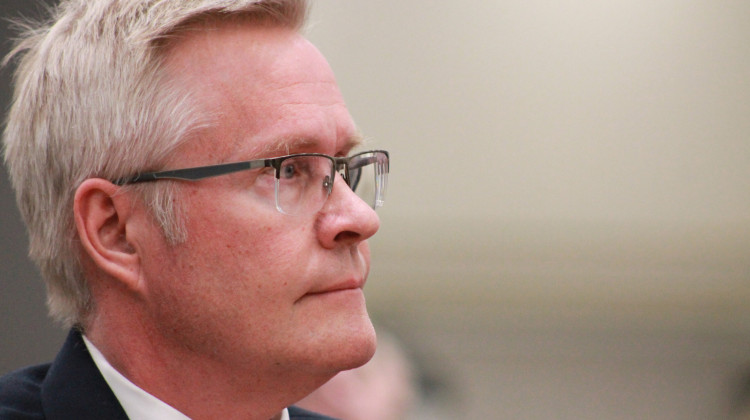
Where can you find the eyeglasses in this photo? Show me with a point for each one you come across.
(299, 183)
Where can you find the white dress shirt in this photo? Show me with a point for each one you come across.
(137, 403)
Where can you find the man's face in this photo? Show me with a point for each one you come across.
(251, 287)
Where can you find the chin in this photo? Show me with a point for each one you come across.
(348, 346)
(363, 348)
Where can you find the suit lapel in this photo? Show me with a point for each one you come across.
(296, 413)
(74, 388)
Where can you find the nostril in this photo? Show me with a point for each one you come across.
(347, 236)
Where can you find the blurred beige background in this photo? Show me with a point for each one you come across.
(567, 230)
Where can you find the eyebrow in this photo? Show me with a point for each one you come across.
(286, 145)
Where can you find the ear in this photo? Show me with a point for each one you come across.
(103, 215)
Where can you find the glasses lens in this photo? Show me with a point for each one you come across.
(368, 177)
(303, 184)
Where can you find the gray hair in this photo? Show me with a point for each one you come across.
(91, 100)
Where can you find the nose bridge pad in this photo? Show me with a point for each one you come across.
(328, 184)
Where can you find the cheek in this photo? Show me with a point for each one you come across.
(363, 252)
(255, 251)
(212, 287)
(239, 251)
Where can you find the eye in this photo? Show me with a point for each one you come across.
(288, 171)
(297, 168)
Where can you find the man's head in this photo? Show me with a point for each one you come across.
(92, 99)
(210, 268)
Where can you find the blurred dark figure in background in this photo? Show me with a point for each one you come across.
(741, 398)
(383, 389)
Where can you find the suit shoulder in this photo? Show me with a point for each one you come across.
(20, 393)
(296, 413)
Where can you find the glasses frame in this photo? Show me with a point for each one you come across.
(339, 164)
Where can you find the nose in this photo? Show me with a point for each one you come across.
(345, 219)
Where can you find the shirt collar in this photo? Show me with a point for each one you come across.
(137, 403)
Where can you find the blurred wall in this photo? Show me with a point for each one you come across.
(567, 231)
(568, 222)
(26, 334)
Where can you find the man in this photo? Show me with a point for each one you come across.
(188, 175)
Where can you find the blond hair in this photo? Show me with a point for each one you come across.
(91, 100)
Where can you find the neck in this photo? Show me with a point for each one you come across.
(198, 385)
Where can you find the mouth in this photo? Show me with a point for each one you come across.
(351, 285)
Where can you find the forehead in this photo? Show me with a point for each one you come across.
(266, 90)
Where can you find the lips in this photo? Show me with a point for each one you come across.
(350, 284)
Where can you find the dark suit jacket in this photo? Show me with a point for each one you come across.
(71, 387)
